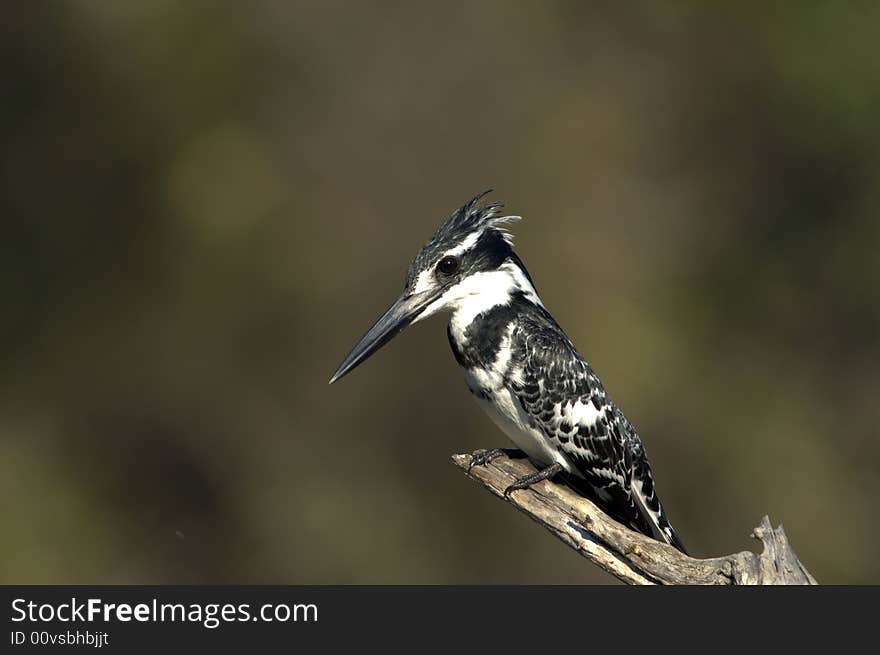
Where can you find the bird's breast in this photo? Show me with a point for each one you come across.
(502, 406)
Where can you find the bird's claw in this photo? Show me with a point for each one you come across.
(483, 457)
(528, 480)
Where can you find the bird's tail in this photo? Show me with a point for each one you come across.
(651, 512)
(670, 536)
(638, 509)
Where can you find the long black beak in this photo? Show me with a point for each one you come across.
(402, 313)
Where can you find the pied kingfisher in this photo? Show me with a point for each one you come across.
(522, 368)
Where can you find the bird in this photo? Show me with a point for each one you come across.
(522, 368)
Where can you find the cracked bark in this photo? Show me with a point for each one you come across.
(628, 555)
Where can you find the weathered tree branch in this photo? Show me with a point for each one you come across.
(628, 555)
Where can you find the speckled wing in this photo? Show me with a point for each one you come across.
(568, 404)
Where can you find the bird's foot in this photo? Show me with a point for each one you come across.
(483, 457)
(529, 480)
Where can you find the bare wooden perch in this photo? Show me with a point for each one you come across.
(628, 555)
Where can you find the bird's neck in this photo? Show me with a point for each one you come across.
(484, 303)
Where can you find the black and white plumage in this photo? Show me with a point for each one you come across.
(521, 367)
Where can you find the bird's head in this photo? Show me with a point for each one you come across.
(469, 256)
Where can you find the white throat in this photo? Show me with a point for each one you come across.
(480, 292)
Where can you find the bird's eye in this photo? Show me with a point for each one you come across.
(448, 265)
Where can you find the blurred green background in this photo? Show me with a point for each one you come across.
(205, 204)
